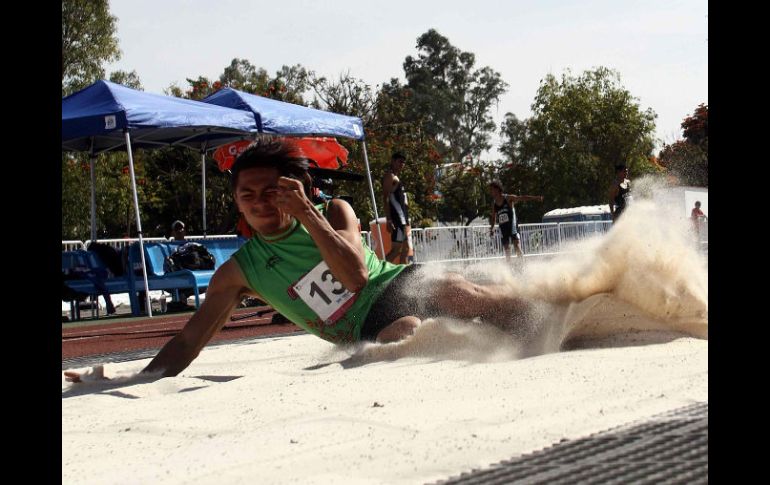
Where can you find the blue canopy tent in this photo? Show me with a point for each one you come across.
(107, 116)
(286, 119)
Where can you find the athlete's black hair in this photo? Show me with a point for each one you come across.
(275, 153)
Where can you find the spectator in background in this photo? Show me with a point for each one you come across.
(620, 192)
(178, 231)
(697, 216)
(396, 211)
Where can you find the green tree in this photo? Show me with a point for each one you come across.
(349, 96)
(389, 130)
(688, 159)
(243, 76)
(454, 99)
(174, 192)
(464, 191)
(128, 79)
(288, 84)
(451, 102)
(199, 88)
(345, 95)
(580, 129)
(114, 202)
(518, 172)
(383, 112)
(88, 41)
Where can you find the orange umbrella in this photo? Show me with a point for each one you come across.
(326, 152)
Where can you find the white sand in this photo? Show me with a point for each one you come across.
(455, 396)
(283, 419)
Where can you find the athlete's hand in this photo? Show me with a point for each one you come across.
(389, 226)
(290, 196)
(96, 373)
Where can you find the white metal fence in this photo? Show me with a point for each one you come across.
(215, 237)
(125, 242)
(550, 237)
(72, 245)
(434, 244)
(453, 243)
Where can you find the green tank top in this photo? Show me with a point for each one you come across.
(273, 266)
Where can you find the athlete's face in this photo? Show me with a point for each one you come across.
(254, 195)
(495, 191)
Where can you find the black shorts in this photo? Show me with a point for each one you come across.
(399, 233)
(508, 236)
(394, 303)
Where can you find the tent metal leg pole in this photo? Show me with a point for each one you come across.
(203, 192)
(93, 192)
(138, 224)
(374, 202)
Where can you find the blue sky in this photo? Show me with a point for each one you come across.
(659, 47)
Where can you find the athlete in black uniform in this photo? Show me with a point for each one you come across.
(396, 211)
(620, 192)
(505, 215)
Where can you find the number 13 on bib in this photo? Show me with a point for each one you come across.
(324, 294)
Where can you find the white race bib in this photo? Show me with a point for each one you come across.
(502, 217)
(326, 296)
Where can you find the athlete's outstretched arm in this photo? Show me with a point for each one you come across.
(521, 198)
(222, 296)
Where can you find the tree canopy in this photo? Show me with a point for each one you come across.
(688, 159)
(452, 99)
(440, 118)
(581, 127)
(87, 41)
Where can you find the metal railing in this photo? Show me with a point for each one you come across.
(121, 243)
(72, 245)
(453, 243)
(550, 237)
(457, 243)
(540, 238)
(125, 242)
(215, 237)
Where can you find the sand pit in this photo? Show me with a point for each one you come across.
(297, 410)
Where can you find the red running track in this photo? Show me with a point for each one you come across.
(148, 333)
